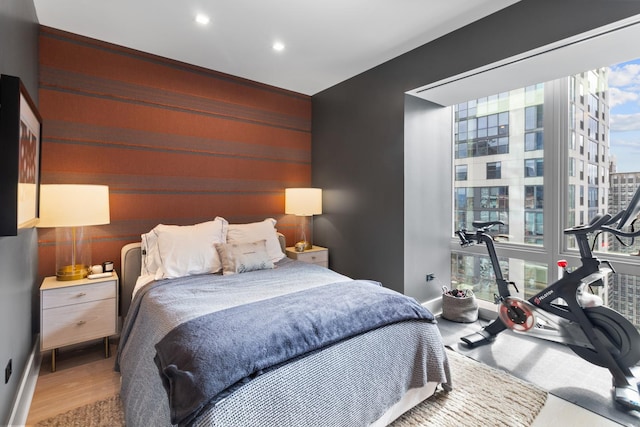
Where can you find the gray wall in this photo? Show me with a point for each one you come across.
(373, 202)
(18, 255)
(427, 202)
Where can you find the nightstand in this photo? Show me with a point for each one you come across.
(76, 311)
(316, 255)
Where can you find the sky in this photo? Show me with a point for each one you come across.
(624, 114)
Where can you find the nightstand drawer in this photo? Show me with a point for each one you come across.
(78, 322)
(313, 257)
(78, 294)
(316, 255)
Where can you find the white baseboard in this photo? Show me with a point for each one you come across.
(20, 410)
(434, 305)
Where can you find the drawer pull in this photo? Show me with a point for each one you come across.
(80, 323)
(81, 294)
(313, 257)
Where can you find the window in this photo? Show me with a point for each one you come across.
(533, 167)
(592, 131)
(500, 123)
(479, 131)
(494, 197)
(592, 174)
(593, 105)
(581, 170)
(461, 172)
(572, 197)
(494, 170)
(533, 141)
(600, 172)
(593, 152)
(535, 278)
(593, 199)
(476, 272)
(572, 167)
(481, 204)
(534, 197)
(533, 117)
(533, 215)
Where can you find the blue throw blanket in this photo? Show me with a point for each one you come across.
(204, 358)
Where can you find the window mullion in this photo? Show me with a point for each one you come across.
(556, 169)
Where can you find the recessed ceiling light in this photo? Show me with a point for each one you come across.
(278, 46)
(202, 19)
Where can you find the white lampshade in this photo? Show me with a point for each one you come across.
(71, 205)
(70, 208)
(303, 201)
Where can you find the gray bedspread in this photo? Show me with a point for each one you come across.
(204, 357)
(347, 384)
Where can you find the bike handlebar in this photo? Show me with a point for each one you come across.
(595, 224)
(620, 233)
(604, 223)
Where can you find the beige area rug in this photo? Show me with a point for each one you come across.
(481, 396)
(103, 413)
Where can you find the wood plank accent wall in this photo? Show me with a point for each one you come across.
(175, 143)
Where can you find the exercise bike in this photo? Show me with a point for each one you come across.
(565, 311)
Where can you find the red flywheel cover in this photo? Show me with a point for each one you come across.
(515, 304)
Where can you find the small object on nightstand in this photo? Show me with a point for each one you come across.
(107, 266)
(99, 275)
(300, 246)
(76, 311)
(316, 255)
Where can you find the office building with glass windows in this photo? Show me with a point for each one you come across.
(623, 291)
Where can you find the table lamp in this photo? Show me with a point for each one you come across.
(69, 208)
(304, 203)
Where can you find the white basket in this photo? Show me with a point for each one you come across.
(460, 309)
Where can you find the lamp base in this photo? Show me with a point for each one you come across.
(302, 246)
(72, 272)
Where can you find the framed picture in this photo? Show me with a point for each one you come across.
(20, 146)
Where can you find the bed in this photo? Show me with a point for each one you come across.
(186, 341)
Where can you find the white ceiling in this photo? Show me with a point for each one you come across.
(326, 42)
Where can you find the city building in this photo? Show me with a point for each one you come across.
(623, 290)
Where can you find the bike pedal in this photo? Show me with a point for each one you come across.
(477, 339)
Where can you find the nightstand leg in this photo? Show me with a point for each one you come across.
(107, 353)
(53, 360)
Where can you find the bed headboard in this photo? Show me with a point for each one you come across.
(130, 265)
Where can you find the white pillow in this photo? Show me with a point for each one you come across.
(245, 233)
(150, 255)
(243, 257)
(189, 250)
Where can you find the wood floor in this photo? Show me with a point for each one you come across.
(83, 376)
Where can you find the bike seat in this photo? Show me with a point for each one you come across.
(484, 224)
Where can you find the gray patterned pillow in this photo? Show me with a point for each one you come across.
(244, 257)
